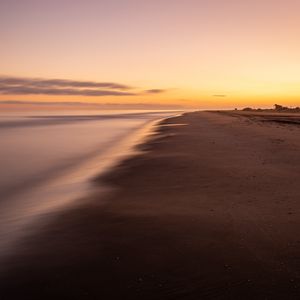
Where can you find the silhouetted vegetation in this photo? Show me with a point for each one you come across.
(277, 108)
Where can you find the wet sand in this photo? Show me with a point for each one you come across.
(210, 210)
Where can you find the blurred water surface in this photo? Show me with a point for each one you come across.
(47, 160)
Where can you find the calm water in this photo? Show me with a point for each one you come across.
(48, 159)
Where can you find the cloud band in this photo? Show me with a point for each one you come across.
(40, 86)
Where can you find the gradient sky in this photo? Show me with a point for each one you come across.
(248, 51)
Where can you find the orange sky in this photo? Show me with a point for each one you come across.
(248, 51)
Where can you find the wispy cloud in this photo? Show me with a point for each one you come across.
(24, 90)
(46, 83)
(41, 86)
(220, 96)
(155, 91)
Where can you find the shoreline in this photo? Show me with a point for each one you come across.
(68, 189)
(208, 211)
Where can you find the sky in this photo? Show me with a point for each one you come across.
(192, 53)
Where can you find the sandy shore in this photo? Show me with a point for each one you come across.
(209, 211)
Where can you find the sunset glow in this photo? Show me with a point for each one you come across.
(149, 149)
(191, 51)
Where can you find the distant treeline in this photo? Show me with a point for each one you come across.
(277, 108)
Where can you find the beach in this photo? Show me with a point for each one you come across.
(208, 209)
(49, 158)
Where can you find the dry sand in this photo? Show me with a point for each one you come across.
(209, 211)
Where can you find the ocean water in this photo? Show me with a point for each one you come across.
(48, 160)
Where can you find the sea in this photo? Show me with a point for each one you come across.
(48, 160)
